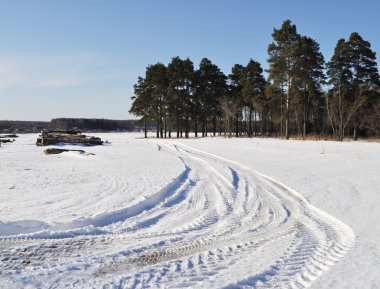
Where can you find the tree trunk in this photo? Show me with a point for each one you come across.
(304, 122)
(287, 111)
(187, 127)
(145, 130)
(304, 130)
(205, 125)
(158, 127)
(287, 123)
(165, 127)
(214, 124)
(250, 123)
(220, 126)
(355, 137)
(178, 126)
(237, 124)
(305, 114)
(282, 118)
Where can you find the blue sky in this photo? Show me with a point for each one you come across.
(77, 58)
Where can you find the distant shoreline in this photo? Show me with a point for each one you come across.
(84, 124)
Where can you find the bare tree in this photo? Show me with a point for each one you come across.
(229, 111)
(340, 111)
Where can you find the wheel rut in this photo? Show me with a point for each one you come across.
(218, 222)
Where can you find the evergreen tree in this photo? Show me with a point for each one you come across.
(274, 109)
(236, 92)
(157, 83)
(253, 90)
(189, 103)
(196, 111)
(364, 72)
(211, 86)
(175, 92)
(282, 62)
(141, 102)
(354, 79)
(310, 78)
(337, 100)
(180, 93)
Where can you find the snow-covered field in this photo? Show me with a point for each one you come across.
(198, 213)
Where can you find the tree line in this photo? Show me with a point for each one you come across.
(92, 124)
(14, 126)
(302, 95)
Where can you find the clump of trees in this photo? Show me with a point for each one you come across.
(354, 95)
(302, 94)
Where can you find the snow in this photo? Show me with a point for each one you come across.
(197, 213)
(341, 178)
(72, 186)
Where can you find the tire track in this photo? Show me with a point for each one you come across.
(218, 222)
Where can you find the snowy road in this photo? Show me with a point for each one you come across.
(218, 224)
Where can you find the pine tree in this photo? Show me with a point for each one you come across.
(274, 107)
(354, 77)
(180, 93)
(175, 92)
(253, 89)
(211, 86)
(364, 71)
(236, 92)
(141, 103)
(310, 78)
(282, 60)
(157, 83)
(189, 102)
(337, 100)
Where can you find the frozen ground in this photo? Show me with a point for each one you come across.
(205, 213)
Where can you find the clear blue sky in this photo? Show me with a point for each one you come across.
(77, 58)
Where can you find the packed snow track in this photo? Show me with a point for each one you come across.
(218, 224)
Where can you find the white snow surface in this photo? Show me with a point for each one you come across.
(197, 213)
